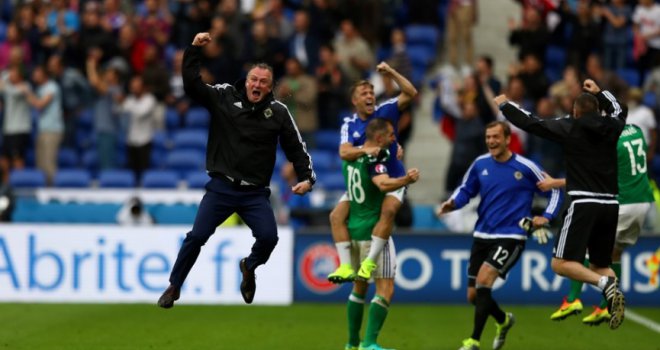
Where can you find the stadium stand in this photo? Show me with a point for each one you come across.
(116, 179)
(78, 178)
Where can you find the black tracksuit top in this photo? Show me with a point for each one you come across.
(242, 139)
(589, 144)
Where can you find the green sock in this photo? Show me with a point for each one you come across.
(616, 266)
(576, 287)
(377, 313)
(355, 308)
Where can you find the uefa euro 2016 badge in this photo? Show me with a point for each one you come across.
(518, 175)
(268, 113)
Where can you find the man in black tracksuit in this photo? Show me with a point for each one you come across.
(246, 124)
(589, 141)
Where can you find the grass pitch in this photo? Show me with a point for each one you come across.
(300, 326)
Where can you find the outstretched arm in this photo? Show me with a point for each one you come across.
(552, 129)
(408, 91)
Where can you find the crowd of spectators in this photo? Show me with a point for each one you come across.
(103, 77)
(558, 45)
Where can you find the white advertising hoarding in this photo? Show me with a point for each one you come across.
(63, 263)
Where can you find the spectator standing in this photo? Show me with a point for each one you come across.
(461, 18)
(17, 124)
(615, 33)
(298, 91)
(76, 94)
(303, 45)
(531, 36)
(332, 86)
(644, 118)
(355, 56)
(646, 26)
(14, 39)
(50, 126)
(106, 109)
(139, 107)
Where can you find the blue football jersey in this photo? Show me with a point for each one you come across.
(507, 190)
(353, 132)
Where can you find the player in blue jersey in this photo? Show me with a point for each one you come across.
(506, 183)
(352, 138)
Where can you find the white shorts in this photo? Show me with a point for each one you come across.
(386, 260)
(398, 194)
(631, 220)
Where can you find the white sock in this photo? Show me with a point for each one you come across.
(344, 251)
(602, 282)
(377, 245)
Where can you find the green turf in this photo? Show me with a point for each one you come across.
(301, 326)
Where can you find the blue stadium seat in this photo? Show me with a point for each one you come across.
(426, 35)
(161, 141)
(67, 158)
(27, 178)
(85, 119)
(197, 118)
(194, 139)
(323, 161)
(650, 100)
(172, 119)
(331, 181)
(630, 76)
(327, 140)
(72, 178)
(160, 179)
(3, 31)
(157, 159)
(197, 179)
(184, 161)
(555, 57)
(420, 56)
(116, 179)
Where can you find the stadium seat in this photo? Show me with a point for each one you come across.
(331, 181)
(67, 158)
(172, 119)
(161, 141)
(157, 159)
(197, 118)
(185, 160)
(555, 57)
(420, 56)
(116, 179)
(630, 76)
(3, 31)
(190, 140)
(327, 140)
(160, 179)
(323, 161)
(650, 100)
(426, 35)
(27, 178)
(72, 178)
(197, 179)
(85, 120)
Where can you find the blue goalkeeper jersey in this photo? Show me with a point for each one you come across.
(507, 190)
(353, 131)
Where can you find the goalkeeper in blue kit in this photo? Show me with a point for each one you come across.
(367, 182)
(507, 183)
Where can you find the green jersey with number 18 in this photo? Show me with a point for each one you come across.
(633, 178)
(365, 197)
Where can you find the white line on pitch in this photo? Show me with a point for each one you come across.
(646, 322)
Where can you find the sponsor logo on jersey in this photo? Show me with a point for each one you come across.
(518, 175)
(315, 264)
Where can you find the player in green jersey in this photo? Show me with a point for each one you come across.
(635, 198)
(367, 182)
